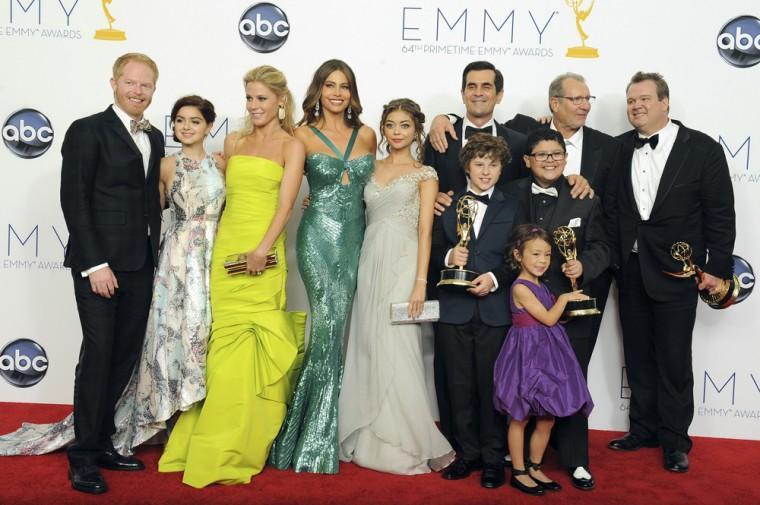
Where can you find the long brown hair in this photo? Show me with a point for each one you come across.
(413, 109)
(314, 93)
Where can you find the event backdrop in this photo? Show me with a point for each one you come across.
(56, 61)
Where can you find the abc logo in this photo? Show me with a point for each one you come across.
(28, 133)
(23, 363)
(746, 276)
(264, 27)
(739, 41)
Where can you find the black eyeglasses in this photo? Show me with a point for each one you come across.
(577, 100)
(556, 155)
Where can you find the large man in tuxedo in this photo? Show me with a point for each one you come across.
(544, 199)
(481, 90)
(110, 201)
(669, 183)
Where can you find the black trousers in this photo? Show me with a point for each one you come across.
(570, 434)
(657, 344)
(112, 335)
(469, 352)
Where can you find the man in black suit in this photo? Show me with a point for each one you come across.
(481, 90)
(474, 322)
(669, 184)
(110, 201)
(544, 199)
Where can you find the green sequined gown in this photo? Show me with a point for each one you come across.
(328, 245)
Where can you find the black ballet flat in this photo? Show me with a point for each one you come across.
(548, 485)
(531, 490)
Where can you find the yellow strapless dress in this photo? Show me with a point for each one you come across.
(255, 349)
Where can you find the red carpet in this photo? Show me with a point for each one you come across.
(722, 472)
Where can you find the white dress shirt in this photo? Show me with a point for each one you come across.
(574, 146)
(647, 165)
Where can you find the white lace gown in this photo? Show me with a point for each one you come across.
(385, 419)
(171, 373)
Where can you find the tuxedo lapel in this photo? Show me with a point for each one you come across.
(156, 153)
(495, 204)
(627, 166)
(118, 128)
(591, 155)
(562, 209)
(673, 166)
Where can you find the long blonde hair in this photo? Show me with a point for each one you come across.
(277, 84)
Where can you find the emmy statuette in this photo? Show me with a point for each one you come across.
(729, 288)
(564, 237)
(459, 277)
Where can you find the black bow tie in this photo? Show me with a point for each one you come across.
(481, 198)
(469, 131)
(639, 142)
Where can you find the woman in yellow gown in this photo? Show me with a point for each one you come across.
(256, 346)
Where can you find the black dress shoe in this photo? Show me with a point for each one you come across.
(631, 442)
(460, 469)
(549, 485)
(532, 490)
(112, 460)
(492, 476)
(87, 479)
(582, 483)
(675, 460)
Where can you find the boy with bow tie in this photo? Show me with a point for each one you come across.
(474, 321)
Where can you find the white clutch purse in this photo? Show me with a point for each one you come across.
(400, 313)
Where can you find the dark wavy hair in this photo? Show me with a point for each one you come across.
(483, 145)
(413, 109)
(520, 236)
(314, 93)
(484, 65)
(542, 134)
(205, 107)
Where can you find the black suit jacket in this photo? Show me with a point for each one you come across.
(486, 255)
(597, 156)
(694, 204)
(107, 201)
(591, 241)
(451, 176)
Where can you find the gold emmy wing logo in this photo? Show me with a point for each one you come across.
(109, 33)
(582, 51)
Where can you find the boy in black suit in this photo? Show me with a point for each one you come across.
(544, 199)
(474, 322)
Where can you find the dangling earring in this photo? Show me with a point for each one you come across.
(281, 113)
(316, 110)
(349, 113)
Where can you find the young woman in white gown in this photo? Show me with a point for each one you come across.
(385, 419)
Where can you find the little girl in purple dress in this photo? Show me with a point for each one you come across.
(536, 373)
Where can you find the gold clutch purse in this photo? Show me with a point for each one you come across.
(236, 263)
(400, 313)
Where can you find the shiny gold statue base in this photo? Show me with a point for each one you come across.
(581, 308)
(110, 34)
(457, 278)
(582, 52)
(728, 291)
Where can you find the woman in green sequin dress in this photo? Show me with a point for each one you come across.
(340, 154)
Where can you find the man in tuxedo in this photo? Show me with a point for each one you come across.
(110, 201)
(474, 322)
(669, 184)
(544, 199)
(482, 89)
